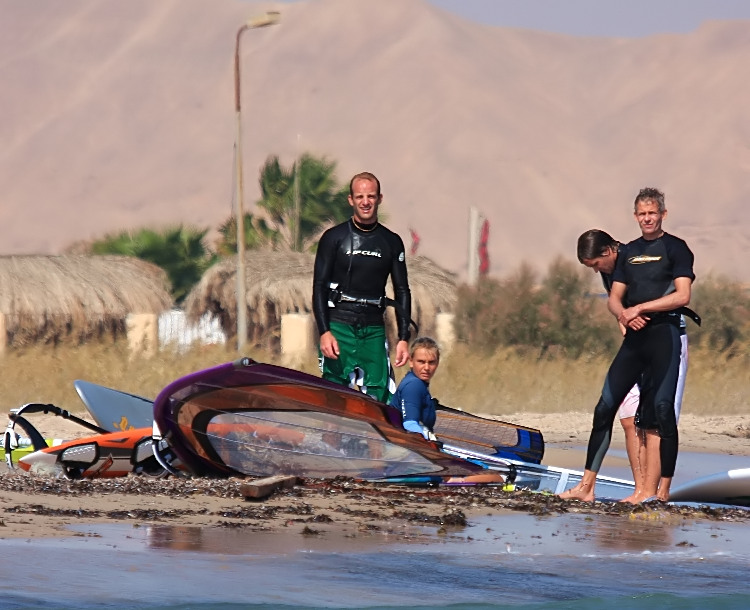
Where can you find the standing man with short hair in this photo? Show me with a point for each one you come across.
(352, 265)
(651, 288)
(598, 251)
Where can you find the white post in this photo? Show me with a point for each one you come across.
(445, 333)
(3, 335)
(142, 330)
(296, 338)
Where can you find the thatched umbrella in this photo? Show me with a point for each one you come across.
(75, 298)
(433, 291)
(281, 282)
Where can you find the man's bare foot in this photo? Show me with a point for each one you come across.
(582, 492)
(638, 497)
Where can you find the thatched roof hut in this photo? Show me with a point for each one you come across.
(76, 298)
(281, 282)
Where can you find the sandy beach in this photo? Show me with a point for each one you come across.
(33, 506)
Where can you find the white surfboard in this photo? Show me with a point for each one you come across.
(730, 487)
(552, 479)
(114, 410)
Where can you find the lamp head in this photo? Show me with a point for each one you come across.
(264, 20)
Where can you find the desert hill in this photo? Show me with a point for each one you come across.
(119, 115)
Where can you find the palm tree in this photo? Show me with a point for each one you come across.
(258, 234)
(299, 202)
(178, 250)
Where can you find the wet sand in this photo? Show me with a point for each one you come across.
(40, 506)
(179, 543)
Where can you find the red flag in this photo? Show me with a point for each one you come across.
(484, 256)
(414, 241)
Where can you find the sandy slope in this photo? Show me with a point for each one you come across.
(118, 117)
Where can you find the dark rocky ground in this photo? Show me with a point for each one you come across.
(35, 502)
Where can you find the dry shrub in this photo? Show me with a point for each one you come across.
(557, 317)
(46, 374)
(490, 371)
(716, 384)
(508, 382)
(499, 383)
(725, 308)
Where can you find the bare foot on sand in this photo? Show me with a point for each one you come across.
(631, 499)
(582, 492)
(638, 497)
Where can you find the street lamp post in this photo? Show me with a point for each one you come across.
(260, 21)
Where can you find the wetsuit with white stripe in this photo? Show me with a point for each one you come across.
(417, 407)
(648, 268)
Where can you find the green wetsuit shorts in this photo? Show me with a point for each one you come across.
(363, 362)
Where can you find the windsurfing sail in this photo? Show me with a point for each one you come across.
(115, 410)
(488, 436)
(250, 418)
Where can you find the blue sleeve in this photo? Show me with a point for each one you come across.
(412, 426)
(411, 400)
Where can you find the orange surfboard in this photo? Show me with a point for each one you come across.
(115, 454)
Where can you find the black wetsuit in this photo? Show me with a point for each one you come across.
(352, 266)
(648, 268)
(358, 263)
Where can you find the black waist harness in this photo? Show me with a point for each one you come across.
(687, 312)
(337, 296)
(355, 310)
(673, 317)
(365, 311)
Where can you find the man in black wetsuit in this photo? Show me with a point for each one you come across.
(352, 265)
(598, 250)
(651, 287)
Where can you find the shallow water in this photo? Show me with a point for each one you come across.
(512, 560)
(515, 560)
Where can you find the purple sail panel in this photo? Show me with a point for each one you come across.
(249, 418)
